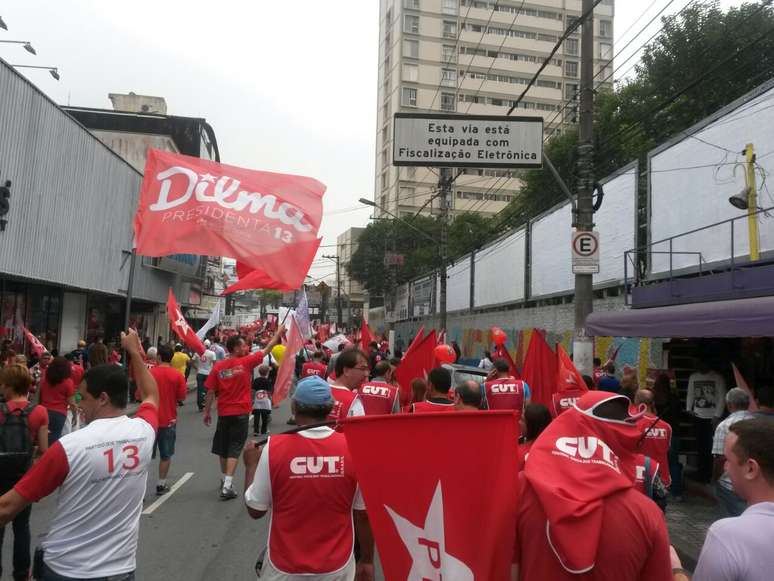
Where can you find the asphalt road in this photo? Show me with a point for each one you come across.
(193, 535)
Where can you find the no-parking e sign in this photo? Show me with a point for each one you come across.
(585, 252)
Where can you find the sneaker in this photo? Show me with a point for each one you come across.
(162, 489)
(228, 494)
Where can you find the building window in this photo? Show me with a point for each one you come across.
(571, 46)
(605, 51)
(606, 73)
(605, 29)
(409, 97)
(411, 48)
(447, 102)
(449, 6)
(384, 180)
(449, 77)
(410, 73)
(406, 194)
(411, 23)
(571, 91)
(448, 54)
(571, 68)
(449, 29)
(385, 158)
(386, 110)
(413, 4)
(571, 20)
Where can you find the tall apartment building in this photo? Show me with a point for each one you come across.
(346, 246)
(476, 57)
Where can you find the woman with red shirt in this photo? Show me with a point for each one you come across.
(57, 392)
(15, 383)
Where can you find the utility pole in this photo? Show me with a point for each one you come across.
(339, 321)
(583, 346)
(444, 185)
(752, 203)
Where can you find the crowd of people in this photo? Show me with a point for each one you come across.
(595, 469)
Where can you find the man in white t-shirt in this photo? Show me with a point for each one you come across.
(203, 364)
(739, 548)
(706, 401)
(738, 403)
(100, 472)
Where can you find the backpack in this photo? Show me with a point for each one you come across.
(15, 440)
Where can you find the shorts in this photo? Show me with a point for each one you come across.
(165, 442)
(230, 436)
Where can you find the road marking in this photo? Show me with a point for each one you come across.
(162, 499)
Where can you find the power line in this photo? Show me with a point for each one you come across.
(570, 29)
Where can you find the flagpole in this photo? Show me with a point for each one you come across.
(129, 287)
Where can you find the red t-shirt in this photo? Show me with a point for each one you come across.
(422, 407)
(231, 380)
(523, 453)
(313, 368)
(54, 397)
(633, 542)
(37, 419)
(172, 389)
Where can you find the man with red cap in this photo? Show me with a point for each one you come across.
(579, 512)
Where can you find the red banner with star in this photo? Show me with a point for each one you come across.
(181, 327)
(427, 519)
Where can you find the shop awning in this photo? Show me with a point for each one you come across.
(735, 318)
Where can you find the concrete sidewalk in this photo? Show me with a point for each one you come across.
(689, 521)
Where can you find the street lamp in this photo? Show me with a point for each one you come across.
(438, 245)
(53, 71)
(25, 43)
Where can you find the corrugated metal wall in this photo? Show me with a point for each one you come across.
(72, 200)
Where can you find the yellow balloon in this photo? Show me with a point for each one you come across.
(278, 352)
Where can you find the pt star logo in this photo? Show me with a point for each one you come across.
(427, 545)
(180, 322)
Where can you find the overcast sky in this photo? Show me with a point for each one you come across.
(287, 86)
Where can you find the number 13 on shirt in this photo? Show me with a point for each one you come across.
(128, 458)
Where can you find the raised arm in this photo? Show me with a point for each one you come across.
(149, 391)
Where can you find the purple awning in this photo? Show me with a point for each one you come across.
(736, 318)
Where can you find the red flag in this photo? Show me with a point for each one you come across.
(277, 271)
(288, 365)
(539, 369)
(197, 206)
(501, 352)
(417, 340)
(741, 383)
(365, 337)
(442, 337)
(181, 328)
(417, 361)
(35, 345)
(567, 377)
(426, 522)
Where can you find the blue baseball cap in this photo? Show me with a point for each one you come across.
(313, 390)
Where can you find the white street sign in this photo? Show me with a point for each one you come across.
(585, 252)
(467, 140)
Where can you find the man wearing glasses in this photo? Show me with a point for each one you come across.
(351, 371)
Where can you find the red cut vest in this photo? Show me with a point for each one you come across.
(564, 400)
(312, 491)
(505, 394)
(638, 473)
(656, 443)
(422, 407)
(312, 368)
(377, 397)
(343, 399)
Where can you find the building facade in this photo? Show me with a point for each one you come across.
(353, 294)
(476, 57)
(65, 245)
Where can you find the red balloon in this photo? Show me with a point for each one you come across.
(445, 354)
(498, 336)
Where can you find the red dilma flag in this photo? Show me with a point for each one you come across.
(197, 206)
(36, 346)
(539, 369)
(181, 328)
(427, 520)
